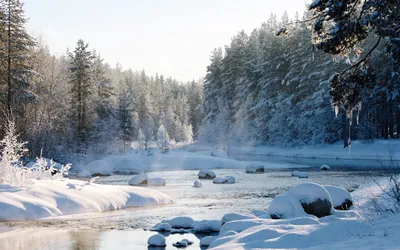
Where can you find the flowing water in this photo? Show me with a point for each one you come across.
(125, 229)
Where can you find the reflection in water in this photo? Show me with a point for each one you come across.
(86, 239)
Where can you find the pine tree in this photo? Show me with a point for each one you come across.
(81, 61)
(15, 72)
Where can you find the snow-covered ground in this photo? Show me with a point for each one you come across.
(49, 198)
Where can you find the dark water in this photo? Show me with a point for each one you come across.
(124, 229)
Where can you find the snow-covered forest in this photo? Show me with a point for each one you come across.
(269, 89)
(77, 103)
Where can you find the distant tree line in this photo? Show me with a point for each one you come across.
(77, 103)
(279, 90)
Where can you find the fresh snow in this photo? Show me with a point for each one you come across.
(236, 216)
(156, 240)
(156, 181)
(49, 198)
(255, 168)
(309, 192)
(140, 179)
(325, 167)
(338, 195)
(162, 227)
(206, 226)
(197, 184)
(224, 180)
(284, 207)
(300, 174)
(206, 174)
(180, 222)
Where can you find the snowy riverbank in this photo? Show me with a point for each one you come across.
(49, 198)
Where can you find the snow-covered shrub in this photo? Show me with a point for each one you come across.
(45, 169)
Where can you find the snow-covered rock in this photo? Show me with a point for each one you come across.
(197, 184)
(284, 207)
(206, 241)
(84, 174)
(314, 198)
(325, 167)
(220, 180)
(206, 174)
(162, 227)
(49, 198)
(156, 182)
(99, 168)
(300, 174)
(224, 180)
(156, 240)
(255, 168)
(180, 222)
(236, 216)
(140, 179)
(180, 244)
(341, 198)
(230, 179)
(206, 226)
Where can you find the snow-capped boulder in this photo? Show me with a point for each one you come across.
(231, 232)
(314, 199)
(224, 180)
(255, 168)
(236, 216)
(140, 179)
(156, 240)
(300, 174)
(197, 184)
(99, 168)
(206, 174)
(206, 241)
(230, 179)
(284, 207)
(126, 166)
(162, 227)
(220, 180)
(156, 182)
(341, 198)
(180, 222)
(84, 174)
(206, 226)
(180, 244)
(325, 167)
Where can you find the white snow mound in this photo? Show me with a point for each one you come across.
(156, 240)
(205, 226)
(284, 207)
(206, 174)
(300, 174)
(140, 179)
(255, 168)
(180, 222)
(236, 216)
(49, 198)
(156, 182)
(338, 195)
(325, 167)
(197, 184)
(162, 227)
(309, 192)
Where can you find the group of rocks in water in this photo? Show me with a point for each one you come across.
(303, 200)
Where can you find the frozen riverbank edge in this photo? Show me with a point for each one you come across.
(50, 198)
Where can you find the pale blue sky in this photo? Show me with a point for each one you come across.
(171, 37)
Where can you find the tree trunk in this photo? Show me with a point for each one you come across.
(346, 130)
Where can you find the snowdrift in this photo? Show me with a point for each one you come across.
(49, 198)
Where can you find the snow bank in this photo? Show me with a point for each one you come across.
(206, 241)
(49, 198)
(180, 222)
(236, 216)
(206, 174)
(255, 168)
(140, 179)
(284, 207)
(206, 226)
(99, 168)
(156, 240)
(341, 198)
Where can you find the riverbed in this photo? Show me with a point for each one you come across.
(127, 229)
